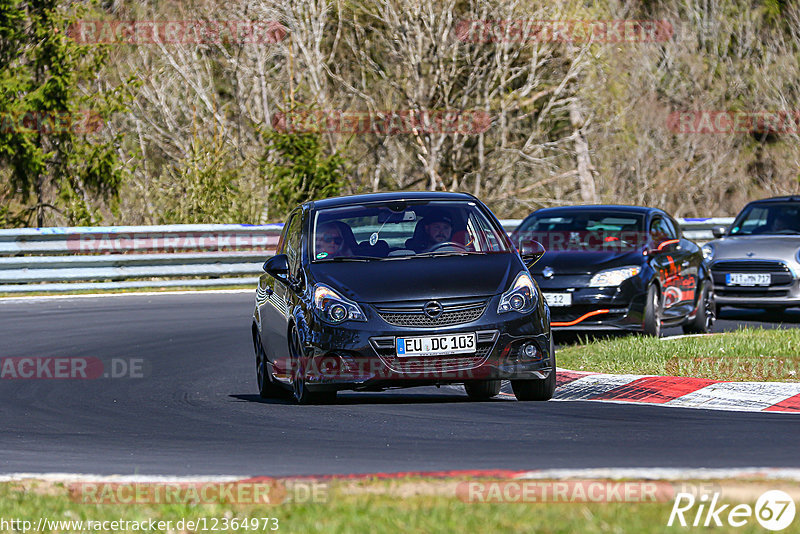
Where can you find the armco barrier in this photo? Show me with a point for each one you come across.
(197, 255)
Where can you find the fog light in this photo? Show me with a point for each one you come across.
(529, 350)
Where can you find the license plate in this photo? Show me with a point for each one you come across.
(558, 299)
(748, 279)
(436, 345)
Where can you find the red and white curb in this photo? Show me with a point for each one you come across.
(676, 391)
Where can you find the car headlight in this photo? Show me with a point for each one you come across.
(613, 277)
(708, 252)
(521, 297)
(334, 308)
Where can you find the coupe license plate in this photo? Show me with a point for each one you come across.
(748, 279)
(436, 345)
(558, 299)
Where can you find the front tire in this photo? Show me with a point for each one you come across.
(267, 388)
(482, 389)
(299, 387)
(653, 312)
(706, 313)
(537, 390)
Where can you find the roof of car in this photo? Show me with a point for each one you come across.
(786, 198)
(383, 197)
(610, 207)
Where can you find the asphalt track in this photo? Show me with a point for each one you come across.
(195, 411)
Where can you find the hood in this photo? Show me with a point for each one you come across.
(420, 278)
(761, 247)
(586, 262)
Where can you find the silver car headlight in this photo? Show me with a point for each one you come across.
(521, 297)
(334, 308)
(708, 252)
(614, 277)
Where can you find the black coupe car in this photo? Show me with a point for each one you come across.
(400, 289)
(619, 267)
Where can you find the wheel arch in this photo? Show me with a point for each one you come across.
(256, 334)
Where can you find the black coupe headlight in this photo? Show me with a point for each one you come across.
(334, 308)
(521, 297)
(614, 277)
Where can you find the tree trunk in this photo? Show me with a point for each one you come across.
(585, 178)
(39, 203)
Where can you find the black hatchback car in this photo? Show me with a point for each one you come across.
(391, 290)
(619, 267)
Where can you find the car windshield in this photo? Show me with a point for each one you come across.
(584, 230)
(398, 229)
(772, 218)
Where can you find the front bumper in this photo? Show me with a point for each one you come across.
(758, 301)
(596, 308)
(363, 356)
(783, 291)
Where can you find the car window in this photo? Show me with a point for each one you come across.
(582, 229)
(479, 228)
(669, 228)
(774, 218)
(662, 230)
(385, 230)
(293, 243)
(281, 247)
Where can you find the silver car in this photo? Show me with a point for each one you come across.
(755, 263)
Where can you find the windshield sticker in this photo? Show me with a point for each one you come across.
(322, 255)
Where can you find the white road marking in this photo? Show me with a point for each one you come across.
(738, 396)
(83, 477)
(592, 385)
(127, 294)
(666, 473)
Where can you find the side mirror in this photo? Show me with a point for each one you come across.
(718, 231)
(530, 251)
(668, 245)
(277, 266)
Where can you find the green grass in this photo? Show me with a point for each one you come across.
(744, 355)
(374, 507)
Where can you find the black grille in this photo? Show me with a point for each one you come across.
(751, 292)
(779, 271)
(410, 314)
(754, 266)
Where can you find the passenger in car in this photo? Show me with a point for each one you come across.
(334, 239)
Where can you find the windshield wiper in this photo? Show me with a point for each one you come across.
(346, 258)
(443, 254)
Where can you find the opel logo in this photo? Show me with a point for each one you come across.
(433, 309)
(548, 272)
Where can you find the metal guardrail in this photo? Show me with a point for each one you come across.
(699, 230)
(200, 255)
